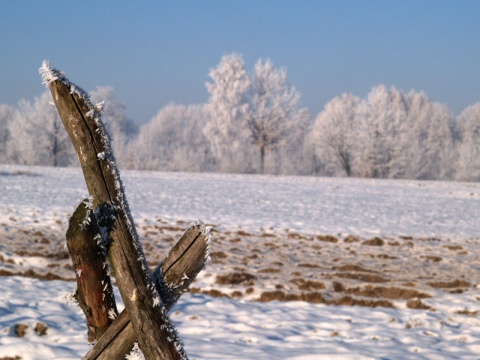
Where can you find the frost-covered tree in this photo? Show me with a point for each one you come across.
(37, 135)
(429, 144)
(226, 109)
(380, 132)
(173, 140)
(122, 129)
(274, 118)
(468, 164)
(260, 110)
(388, 134)
(6, 115)
(334, 134)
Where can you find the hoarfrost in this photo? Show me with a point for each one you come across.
(68, 297)
(99, 106)
(88, 202)
(119, 201)
(50, 75)
(112, 314)
(135, 354)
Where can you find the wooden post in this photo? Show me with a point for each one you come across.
(180, 267)
(94, 288)
(157, 337)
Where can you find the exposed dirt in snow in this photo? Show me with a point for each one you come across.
(277, 265)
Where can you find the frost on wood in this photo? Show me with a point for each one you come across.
(94, 290)
(191, 253)
(68, 297)
(135, 354)
(49, 75)
(177, 271)
(83, 121)
(120, 203)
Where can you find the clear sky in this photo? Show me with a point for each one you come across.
(157, 52)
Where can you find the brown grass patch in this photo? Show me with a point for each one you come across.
(467, 312)
(218, 255)
(312, 266)
(387, 292)
(350, 301)
(268, 271)
(267, 235)
(212, 292)
(338, 286)
(372, 278)
(237, 294)
(431, 258)
(170, 228)
(351, 267)
(418, 304)
(308, 284)
(298, 236)
(351, 239)
(374, 242)
(278, 295)
(453, 247)
(394, 243)
(234, 278)
(21, 330)
(327, 238)
(32, 274)
(41, 329)
(386, 256)
(449, 285)
(11, 358)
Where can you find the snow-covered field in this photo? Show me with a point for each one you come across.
(405, 250)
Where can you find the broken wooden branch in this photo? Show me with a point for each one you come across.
(94, 291)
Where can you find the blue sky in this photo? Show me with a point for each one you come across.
(157, 52)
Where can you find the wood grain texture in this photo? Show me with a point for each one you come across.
(94, 289)
(156, 336)
(180, 267)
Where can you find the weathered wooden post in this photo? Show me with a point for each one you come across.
(146, 300)
(94, 289)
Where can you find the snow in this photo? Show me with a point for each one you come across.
(427, 219)
(220, 328)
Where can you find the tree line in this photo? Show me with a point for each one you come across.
(253, 122)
